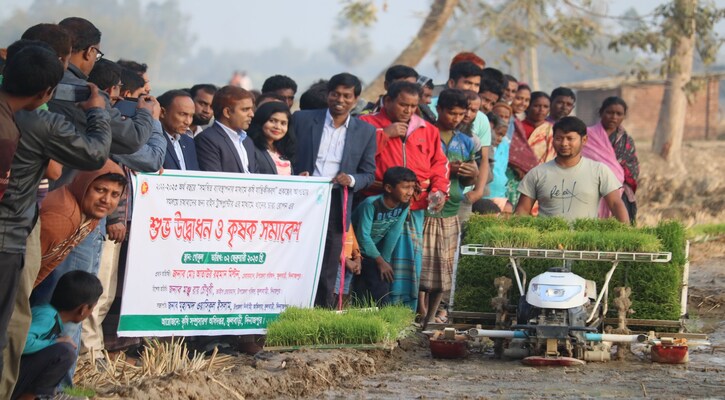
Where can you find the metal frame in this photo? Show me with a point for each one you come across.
(481, 250)
(615, 257)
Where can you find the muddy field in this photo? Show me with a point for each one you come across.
(480, 376)
(409, 372)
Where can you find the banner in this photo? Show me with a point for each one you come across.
(221, 254)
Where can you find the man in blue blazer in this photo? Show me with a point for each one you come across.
(177, 112)
(225, 146)
(333, 144)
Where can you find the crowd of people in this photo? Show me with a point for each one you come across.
(408, 169)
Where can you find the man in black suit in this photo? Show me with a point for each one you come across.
(177, 112)
(332, 144)
(225, 146)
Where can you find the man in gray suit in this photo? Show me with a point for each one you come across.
(225, 146)
(333, 144)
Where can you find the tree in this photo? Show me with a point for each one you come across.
(524, 25)
(156, 34)
(439, 14)
(681, 27)
(350, 49)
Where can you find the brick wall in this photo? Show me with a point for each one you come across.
(644, 101)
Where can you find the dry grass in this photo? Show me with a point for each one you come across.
(694, 196)
(157, 359)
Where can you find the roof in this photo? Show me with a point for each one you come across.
(618, 81)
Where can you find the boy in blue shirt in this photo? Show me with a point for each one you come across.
(48, 355)
(378, 222)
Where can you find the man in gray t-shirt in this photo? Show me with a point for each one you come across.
(570, 185)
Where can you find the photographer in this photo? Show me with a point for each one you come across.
(30, 76)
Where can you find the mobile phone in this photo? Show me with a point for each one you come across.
(74, 93)
(126, 107)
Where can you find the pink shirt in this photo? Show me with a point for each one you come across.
(284, 167)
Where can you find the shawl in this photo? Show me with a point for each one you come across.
(541, 140)
(626, 155)
(520, 154)
(599, 148)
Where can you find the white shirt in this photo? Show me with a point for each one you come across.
(199, 129)
(332, 144)
(237, 139)
(177, 148)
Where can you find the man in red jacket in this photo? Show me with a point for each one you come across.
(404, 139)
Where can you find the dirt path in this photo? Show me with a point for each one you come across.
(409, 372)
(419, 376)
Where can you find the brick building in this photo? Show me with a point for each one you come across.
(644, 99)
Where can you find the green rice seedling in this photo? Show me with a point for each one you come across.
(305, 327)
(473, 298)
(673, 237)
(289, 333)
(600, 225)
(480, 222)
(296, 314)
(642, 242)
(541, 224)
(655, 286)
(612, 241)
(562, 240)
(505, 237)
(476, 271)
(398, 318)
(586, 240)
(524, 237)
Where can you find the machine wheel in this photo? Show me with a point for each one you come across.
(524, 312)
(498, 348)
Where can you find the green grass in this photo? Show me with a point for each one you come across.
(706, 231)
(316, 326)
(79, 391)
(655, 286)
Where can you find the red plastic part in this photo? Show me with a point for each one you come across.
(537, 361)
(448, 348)
(666, 354)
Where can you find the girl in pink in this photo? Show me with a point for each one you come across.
(273, 138)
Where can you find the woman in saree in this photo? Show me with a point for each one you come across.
(521, 101)
(531, 144)
(599, 148)
(539, 132)
(612, 113)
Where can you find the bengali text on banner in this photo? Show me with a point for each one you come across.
(221, 254)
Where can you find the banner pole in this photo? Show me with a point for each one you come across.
(342, 254)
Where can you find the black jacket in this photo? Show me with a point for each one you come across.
(216, 151)
(265, 163)
(44, 136)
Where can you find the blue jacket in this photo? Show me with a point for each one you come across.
(44, 329)
(188, 148)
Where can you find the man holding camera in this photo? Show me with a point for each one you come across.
(129, 135)
(29, 78)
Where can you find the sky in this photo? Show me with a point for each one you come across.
(260, 26)
(270, 22)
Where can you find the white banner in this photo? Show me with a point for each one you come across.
(221, 254)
